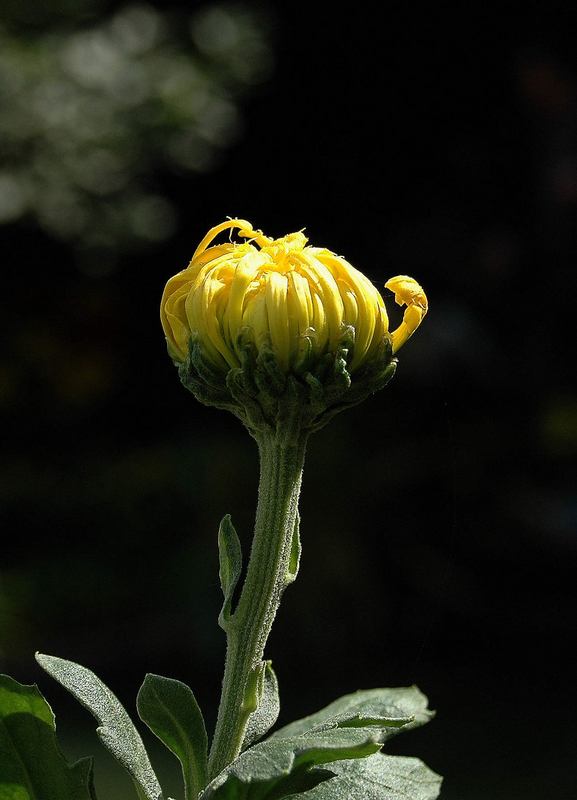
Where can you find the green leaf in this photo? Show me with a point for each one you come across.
(116, 730)
(390, 710)
(296, 549)
(170, 710)
(378, 777)
(230, 556)
(31, 764)
(267, 711)
(277, 768)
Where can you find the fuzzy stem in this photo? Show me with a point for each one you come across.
(268, 574)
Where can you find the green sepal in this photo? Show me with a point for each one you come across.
(116, 730)
(304, 356)
(267, 705)
(324, 367)
(391, 711)
(275, 769)
(31, 763)
(263, 396)
(246, 349)
(230, 558)
(379, 777)
(203, 378)
(269, 378)
(170, 710)
(210, 373)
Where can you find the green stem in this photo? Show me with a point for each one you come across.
(271, 568)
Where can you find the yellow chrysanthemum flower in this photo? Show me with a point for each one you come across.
(296, 297)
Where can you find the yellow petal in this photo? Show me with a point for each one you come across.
(244, 273)
(407, 291)
(246, 231)
(325, 286)
(278, 320)
(300, 302)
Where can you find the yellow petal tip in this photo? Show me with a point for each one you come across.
(407, 292)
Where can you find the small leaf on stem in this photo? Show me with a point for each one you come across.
(230, 556)
(268, 708)
(296, 549)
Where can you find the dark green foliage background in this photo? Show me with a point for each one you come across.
(439, 518)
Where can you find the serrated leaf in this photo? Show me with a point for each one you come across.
(31, 764)
(230, 558)
(266, 714)
(392, 710)
(170, 710)
(377, 777)
(116, 730)
(275, 769)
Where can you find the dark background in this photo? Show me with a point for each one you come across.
(439, 518)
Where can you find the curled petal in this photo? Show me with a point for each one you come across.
(407, 292)
(245, 230)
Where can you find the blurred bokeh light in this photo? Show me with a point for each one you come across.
(91, 113)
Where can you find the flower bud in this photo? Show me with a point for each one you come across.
(248, 322)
